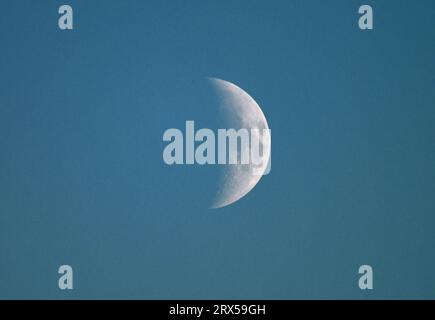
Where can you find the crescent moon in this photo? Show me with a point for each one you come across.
(240, 110)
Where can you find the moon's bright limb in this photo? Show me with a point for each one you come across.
(240, 111)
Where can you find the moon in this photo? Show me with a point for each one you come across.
(239, 110)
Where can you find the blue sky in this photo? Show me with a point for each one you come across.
(82, 180)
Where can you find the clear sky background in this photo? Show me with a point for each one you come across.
(82, 180)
